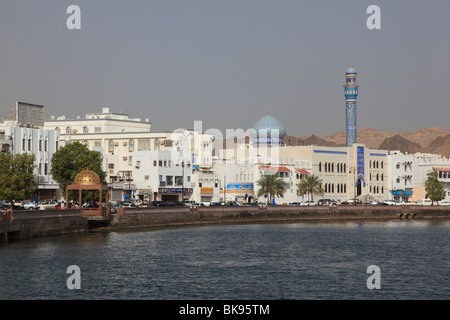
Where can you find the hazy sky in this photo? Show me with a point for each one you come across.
(226, 61)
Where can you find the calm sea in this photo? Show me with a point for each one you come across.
(270, 261)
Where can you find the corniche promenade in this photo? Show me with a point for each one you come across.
(27, 225)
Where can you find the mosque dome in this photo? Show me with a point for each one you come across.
(87, 177)
(351, 70)
(269, 124)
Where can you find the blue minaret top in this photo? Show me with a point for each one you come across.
(351, 88)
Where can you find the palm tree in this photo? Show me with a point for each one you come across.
(311, 185)
(272, 185)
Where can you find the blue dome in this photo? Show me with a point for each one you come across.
(266, 125)
(351, 70)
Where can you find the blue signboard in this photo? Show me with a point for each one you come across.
(402, 193)
(240, 186)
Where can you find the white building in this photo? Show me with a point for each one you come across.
(402, 176)
(118, 137)
(423, 164)
(42, 144)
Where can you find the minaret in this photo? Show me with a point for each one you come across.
(351, 92)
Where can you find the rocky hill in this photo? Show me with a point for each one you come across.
(427, 140)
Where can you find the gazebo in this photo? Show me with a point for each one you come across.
(89, 180)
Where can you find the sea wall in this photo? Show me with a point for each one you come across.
(221, 215)
(32, 227)
(21, 229)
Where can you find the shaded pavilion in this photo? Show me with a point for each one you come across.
(89, 180)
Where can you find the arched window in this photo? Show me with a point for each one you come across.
(156, 144)
(68, 130)
(320, 166)
(111, 146)
(131, 146)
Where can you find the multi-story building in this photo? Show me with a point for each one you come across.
(401, 173)
(118, 137)
(42, 144)
(424, 163)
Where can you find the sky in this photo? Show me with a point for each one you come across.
(225, 62)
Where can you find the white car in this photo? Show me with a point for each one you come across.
(426, 202)
(47, 205)
(310, 203)
(389, 202)
(28, 205)
(444, 203)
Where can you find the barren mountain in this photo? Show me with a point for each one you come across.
(440, 145)
(373, 138)
(430, 140)
(398, 142)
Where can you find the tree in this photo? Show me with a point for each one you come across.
(272, 185)
(17, 181)
(311, 185)
(70, 160)
(434, 188)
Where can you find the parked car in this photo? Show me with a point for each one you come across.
(444, 203)
(296, 204)
(28, 205)
(47, 204)
(159, 204)
(389, 202)
(323, 202)
(426, 202)
(310, 203)
(352, 202)
(5, 208)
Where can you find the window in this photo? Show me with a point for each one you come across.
(85, 129)
(110, 165)
(131, 146)
(97, 143)
(179, 180)
(97, 129)
(40, 144)
(143, 144)
(130, 161)
(46, 168)
(68, 130)
(155, 163)
(29, 143)
(46, 144)
(169, 180)
(320, 166)
(111, 146)
(156, 144)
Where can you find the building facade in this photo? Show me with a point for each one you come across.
(42, 144)
(117, 137)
